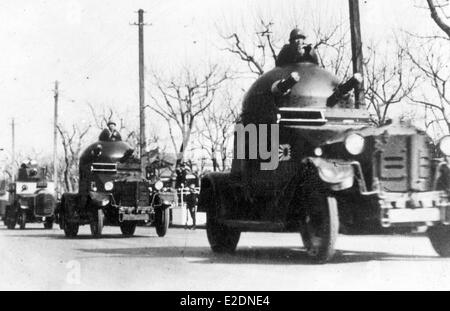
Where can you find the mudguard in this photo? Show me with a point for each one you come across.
(68, 207)
(12, 209)
(338, 175)
(218, 182)
(100, 199)
(167, 199)
(442, 177)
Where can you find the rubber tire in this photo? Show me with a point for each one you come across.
(128, 228)
(70, 228)
(325, 211)
(48, 224)
(97, 223)
(162, 220)
(221, 238)
(10, 224)
(440, 239)
(22, 220)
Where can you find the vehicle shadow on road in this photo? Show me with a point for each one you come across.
(259, 255)
(23, 230)
(80, 237)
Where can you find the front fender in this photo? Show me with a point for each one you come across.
(167, 199)
(218, 183)
(339, 175)
(442, 177)
(100, 199)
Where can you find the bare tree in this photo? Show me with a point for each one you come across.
(182, 99)
(388, 81)
(434, 68)
(430, 59)
(130, 134)
(333, 49)
(72, 142)
(261, 50)
(216, 130)
(439, 15)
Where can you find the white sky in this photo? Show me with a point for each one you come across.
(90, 47)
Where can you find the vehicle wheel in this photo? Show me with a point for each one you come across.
(22, 219)
(61, 220)
(97, 223)
(48, 224)
(128, 228)
(319, 225)
(222, 239)
(10, 223)
(440, 239)
(162, 218)
(71, 229)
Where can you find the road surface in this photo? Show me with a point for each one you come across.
(38, 259)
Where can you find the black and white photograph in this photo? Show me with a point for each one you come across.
(224, 146)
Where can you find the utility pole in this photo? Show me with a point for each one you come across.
(55, 136)
(357, 55)
(142, 138)
(13, 151)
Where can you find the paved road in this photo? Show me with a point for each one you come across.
(44, 259)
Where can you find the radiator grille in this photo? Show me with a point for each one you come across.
(405, 163)
(131, 193)
(44, 204)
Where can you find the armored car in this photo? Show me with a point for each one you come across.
(113, 191)
(306, 160)
(31, 198)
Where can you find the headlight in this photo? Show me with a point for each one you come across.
(318, 152)
(444, 145)
(354, 144)
(109, 185)
(159, 185)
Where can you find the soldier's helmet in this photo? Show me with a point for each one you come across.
(33, 172)
(111, 122)
(296, 33)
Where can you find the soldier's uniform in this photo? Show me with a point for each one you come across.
(191, 204)
(108, 135)
(296, 52)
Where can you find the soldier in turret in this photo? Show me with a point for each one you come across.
(296, 51)
(110, 133)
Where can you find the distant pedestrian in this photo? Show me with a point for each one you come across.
(191, 204)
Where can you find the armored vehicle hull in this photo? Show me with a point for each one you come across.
(112, 191)
(31, 199)
(334, 170)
